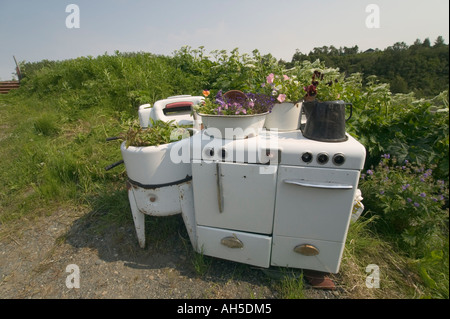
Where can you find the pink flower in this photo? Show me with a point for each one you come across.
(270, 78)
(285, 77)
(281, 98)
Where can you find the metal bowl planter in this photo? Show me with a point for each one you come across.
(233, 126)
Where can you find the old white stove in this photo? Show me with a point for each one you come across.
(277, 199)
(274, 199)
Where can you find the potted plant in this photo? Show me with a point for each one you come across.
(147, 152)
(325, 113)
(323, 87)
(234, 114)
(286, 90)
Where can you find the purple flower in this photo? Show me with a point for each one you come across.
(386, 156)
(381, 192)
(423, 195)
(409, 200)
(370, 172)
(416, 204)
(404, 187)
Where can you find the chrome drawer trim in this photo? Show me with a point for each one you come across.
(330, 185)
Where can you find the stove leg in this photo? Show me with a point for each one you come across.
(187, 211)
(138, 218)
(319, 280)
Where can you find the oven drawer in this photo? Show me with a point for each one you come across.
(248, 248)
(306, 253)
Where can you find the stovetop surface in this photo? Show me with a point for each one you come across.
(282, 147)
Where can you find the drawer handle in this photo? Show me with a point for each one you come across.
(232, 242)
(317, 184)
(306, 250)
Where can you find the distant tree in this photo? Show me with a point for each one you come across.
(439, 41)
(399, 85)
(333, 50)
(419, 68)
(352, 50)
(400, 46)
(417, 42)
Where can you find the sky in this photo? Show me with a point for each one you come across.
(34, 30)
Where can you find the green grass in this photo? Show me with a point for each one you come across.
(48, 157)
(201, 263)
(291, 286)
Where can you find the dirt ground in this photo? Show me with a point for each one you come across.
(35, 255)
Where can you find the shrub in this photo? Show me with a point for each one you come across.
(410, 201)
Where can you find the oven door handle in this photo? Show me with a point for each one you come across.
(330, 185)
(219, 187)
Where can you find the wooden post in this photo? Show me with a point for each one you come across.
(19, 74)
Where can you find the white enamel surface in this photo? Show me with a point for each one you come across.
(151, 165)
(233, 126)
(284, 117)
(248, 197)
(328, 260)
(255, 250)
(146, 111)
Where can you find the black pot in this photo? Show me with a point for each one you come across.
(325, 121)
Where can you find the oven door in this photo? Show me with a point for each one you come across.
(314, 203)
(237, 196)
